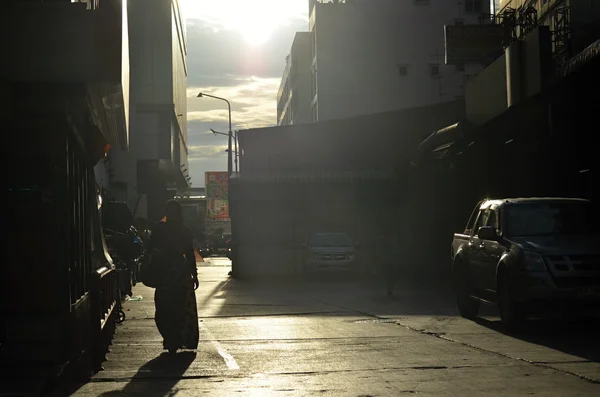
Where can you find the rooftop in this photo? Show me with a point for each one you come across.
(520, 200)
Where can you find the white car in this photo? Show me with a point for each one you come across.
(330, 252)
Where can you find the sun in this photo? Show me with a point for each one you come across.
(255, 24)
(255, 20)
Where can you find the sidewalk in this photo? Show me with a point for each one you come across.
(221, 296)
(137, 353)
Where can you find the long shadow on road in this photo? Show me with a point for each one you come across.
(158, 377)
(335, 297)
(577, 337)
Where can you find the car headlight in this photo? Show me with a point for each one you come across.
(533, 262)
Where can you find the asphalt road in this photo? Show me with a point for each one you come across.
(343, 339)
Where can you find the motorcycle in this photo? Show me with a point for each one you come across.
(204, 249)
(127, 250)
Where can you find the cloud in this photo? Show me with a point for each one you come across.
(204, 152)
(216, 55)
(253, 103)
(209, 115)
(222, 63)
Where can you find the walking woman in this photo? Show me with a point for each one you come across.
(176, 312)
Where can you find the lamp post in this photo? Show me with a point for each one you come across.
(235, 160)
(230, 135)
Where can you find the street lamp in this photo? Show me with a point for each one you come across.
(229, 159)
(236, 146)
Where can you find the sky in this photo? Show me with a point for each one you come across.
(236, 50)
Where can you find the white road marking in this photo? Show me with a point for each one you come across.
(229, 360)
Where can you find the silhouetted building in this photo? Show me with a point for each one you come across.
(64, 100)
(573, 23)
(293, 98)
(528, 116)
(543, 37)
(372, 56)
(158, 110)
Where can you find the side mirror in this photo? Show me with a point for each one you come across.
(487, 233)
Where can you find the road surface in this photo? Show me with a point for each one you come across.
(342, 339)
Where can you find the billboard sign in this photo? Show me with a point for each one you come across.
(217, 195)
(474, 43)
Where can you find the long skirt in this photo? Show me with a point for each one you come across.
(177, 315)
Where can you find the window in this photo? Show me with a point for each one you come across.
(402, 69)
(434, 69)
(481, 220)
(313, 42)
(473, 6)
(471, 223)
(313, 78)
(493, 220)
(551, 218)
(460, 67)
(330, 240)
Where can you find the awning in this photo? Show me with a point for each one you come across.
(590, 53)
(438, 143)
(441, 151)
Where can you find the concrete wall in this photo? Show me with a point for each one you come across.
(277, 217)
(301, 79)
(151, 59)
(359, 48)
(375, 142)
(486, 95)
(294, 183)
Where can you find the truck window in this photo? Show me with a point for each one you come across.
(472, 219)
(492, 220)
(474, 223)
(481, 220)
(550, 218)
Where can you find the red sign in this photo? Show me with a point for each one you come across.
(217, 195)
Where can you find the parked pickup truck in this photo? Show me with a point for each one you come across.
(528, 254)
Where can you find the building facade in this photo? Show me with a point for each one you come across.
(527, 115)
(544, 35)
(64, 97)
(571, 22)
(383, 55)
(155, 166)
(293, 98)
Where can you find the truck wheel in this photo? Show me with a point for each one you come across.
(467, 306)
(512, 314)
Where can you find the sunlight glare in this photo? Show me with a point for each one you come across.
(255, 20)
